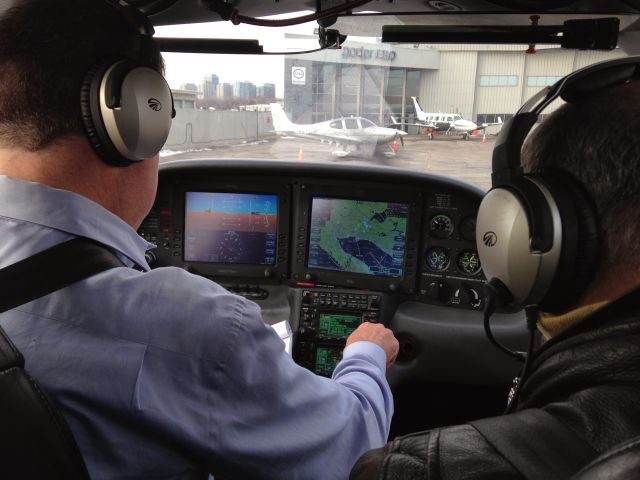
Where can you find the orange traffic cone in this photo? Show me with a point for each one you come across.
(484, 138)
(394, 147)
(300, 155)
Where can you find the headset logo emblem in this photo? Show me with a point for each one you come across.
(154, 104)
(490, 239)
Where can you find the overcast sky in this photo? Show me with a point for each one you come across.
(184, 67)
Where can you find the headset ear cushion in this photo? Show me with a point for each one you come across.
(93, 125)
(580, 241)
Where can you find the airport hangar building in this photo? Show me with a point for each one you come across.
(375, 80)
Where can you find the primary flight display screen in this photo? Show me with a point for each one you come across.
(358, 236)
(239, 228)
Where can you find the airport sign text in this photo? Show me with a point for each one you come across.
(366, 53)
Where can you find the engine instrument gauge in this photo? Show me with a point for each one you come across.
(468, 262)
(468, 228)
(437, 259)
(441, 226)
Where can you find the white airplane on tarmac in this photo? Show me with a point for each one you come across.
(359, 133)
(448, 123)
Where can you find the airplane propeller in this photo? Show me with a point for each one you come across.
(401, 139)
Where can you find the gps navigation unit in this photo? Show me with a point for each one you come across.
(358, 236)
(231, 228)
(364, 240)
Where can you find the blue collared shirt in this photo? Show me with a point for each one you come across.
(164, 374)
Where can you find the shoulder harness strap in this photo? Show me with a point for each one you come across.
(53, 269)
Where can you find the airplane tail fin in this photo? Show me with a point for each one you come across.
(281, 122)
(394, 121)
(499, 120)
(419, 113)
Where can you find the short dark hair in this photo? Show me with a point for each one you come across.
(597, 141)
(46, 49)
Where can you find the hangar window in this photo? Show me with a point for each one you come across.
(542, 81)
(372, 104)
(394, 91)
(348, 83)
(498, 80)
(323, 78)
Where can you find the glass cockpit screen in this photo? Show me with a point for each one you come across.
(337, 325)
(358, 236)
(238, 228)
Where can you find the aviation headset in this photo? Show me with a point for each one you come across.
(537, 234)
(126, 104)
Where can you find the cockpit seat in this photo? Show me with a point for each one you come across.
(622, 462)
(35, 441)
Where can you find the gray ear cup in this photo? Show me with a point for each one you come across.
(549, 273)
(127, 110)
(503, 236)
(93, 126)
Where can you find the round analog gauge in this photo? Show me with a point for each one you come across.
(468, 262)
(441, 226)
(437, 259)
(468, 229)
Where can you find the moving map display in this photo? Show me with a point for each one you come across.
(231, 228)
(358, 236)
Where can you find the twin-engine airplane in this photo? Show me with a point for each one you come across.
(351, 134)
(444, 122)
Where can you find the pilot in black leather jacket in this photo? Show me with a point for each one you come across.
(587, 377)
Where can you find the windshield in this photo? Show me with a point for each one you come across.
(440, 106)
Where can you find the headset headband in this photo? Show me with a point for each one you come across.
(141, 47)
(506, 164)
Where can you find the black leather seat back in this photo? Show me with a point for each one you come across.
(622, 462)
(35, 441)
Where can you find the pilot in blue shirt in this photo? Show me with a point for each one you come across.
(159, 373)
(164, 374)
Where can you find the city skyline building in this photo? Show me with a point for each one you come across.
(209, 85)
(224, 90)
(267, 90)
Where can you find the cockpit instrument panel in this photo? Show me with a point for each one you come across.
(358, 236)
(232, 228)
(352, 236)
(223, 228)
(410, 236)
(451, 273)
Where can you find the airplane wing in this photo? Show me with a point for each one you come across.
(394, 123)
(339, 138)
(485, 125)
(329, 137)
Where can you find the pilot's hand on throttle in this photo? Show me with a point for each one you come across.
(378, 334)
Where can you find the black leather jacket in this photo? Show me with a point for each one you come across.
(588, 378)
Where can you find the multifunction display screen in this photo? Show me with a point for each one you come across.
(358, 236)
(337, 325)
(231, 228)
(327, 358)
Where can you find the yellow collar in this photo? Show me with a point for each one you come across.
(550, 325)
